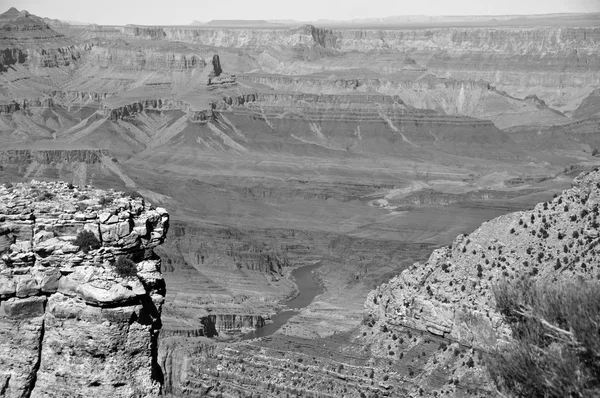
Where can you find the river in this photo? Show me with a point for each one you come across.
(309, 289)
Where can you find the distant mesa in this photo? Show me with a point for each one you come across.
(237, 23)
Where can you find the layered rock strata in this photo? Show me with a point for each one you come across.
(72, 320)
(451, 295)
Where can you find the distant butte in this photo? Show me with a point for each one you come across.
(357, 148)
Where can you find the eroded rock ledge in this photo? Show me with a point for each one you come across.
(70, 323)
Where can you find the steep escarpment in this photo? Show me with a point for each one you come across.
(15, 106)
(79, 316)
(78, 166)
(48, 57)
(486, 39)
(451, 294)
(28, 39)
(149, 58)
(26, 156)
(307, 35)
(443, 95)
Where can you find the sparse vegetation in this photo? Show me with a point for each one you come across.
(125, 267)
(105, 200)
(44, 196)
(86, 241)
(556, 352)
(133, 195)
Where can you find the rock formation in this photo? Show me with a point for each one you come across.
(361, 150)
(451, 294)
(79, 320)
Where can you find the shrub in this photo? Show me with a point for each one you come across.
(86, 241)
(44, 196)
(105, 200)
(133, 195)
(556, 350)
(8, 185)
(125, 267)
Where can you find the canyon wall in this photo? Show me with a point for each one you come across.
(451, 295)
(51, 56)
(79, 319)
(147, 58)
(465, 39)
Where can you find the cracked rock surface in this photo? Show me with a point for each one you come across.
(71, 324)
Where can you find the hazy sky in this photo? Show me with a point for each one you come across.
(174, 12)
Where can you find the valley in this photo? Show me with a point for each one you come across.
(360, 149)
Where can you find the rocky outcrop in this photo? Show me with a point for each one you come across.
(79, 319)
(11, 56)
(24, 104)
(51, 56)
(176, 359)
(451, 294)
(233, 323)
(80, 98)
(474, 39)
(26, 156)
(124, 111)
(146, 32)
(147, 58)
(216, 63)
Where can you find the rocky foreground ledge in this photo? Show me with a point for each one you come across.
(79, 321)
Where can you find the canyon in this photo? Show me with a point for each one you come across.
(360, 153)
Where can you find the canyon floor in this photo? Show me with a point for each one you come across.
(359, 148)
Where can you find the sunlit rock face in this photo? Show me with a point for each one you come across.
(451, 295)
(72, 322)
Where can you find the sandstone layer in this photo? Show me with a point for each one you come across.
(361, 150)
(71, 323)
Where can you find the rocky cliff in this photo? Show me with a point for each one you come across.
(451, 294)
(79, 318)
